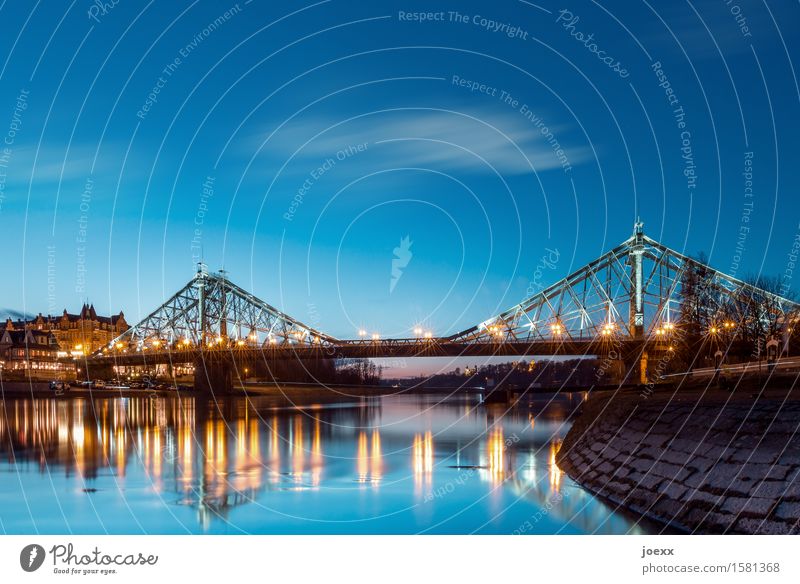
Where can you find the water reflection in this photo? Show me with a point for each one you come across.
(422, 450)
(370, 465)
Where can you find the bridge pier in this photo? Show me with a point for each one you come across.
(213, 373)
(633, 367)
(88, 370)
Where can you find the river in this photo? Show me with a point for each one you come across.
(392, 464)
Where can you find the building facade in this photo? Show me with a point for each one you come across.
(75, 334)
(31, 352)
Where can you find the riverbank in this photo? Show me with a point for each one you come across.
(41, 390)
(695, 460)
(280, 394)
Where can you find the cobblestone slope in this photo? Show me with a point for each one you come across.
(717, 464)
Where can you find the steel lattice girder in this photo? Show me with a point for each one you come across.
(589, 303)
(595, 300)
(226, 311)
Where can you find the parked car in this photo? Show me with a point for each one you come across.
(98, 384)
(59, 386)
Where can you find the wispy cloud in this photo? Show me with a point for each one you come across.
(52, 164)
(509, 141)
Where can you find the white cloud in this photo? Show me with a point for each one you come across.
(456, 140)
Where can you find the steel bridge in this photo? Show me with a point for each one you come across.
(627, 303)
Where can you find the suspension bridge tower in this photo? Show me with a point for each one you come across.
(636, 311)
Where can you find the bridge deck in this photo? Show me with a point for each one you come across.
(376, 349)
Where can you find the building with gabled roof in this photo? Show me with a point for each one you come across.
(32, 351)
(80, 333)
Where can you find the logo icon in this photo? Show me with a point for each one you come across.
(31, 557)
(402, 255)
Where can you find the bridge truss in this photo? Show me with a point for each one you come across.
(640, 290)
(210, 312)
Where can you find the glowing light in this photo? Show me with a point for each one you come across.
(417, 331)
(375, 336)
(495, 449)
(362, 333)
(555, 472)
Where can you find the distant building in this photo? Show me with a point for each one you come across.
(81, 333)
(32, 351)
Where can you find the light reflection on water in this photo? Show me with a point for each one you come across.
(394, 464)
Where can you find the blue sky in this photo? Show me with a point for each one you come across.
(297, 144)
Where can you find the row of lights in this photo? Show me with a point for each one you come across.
(185, 342)
(418, 332)
(727, 325)
(666, 329)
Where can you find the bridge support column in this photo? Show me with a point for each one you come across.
(634, 368)
(213, 374)
(642, 372)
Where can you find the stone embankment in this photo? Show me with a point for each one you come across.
(701, 462)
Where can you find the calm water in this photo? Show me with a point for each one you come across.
(399, 464)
